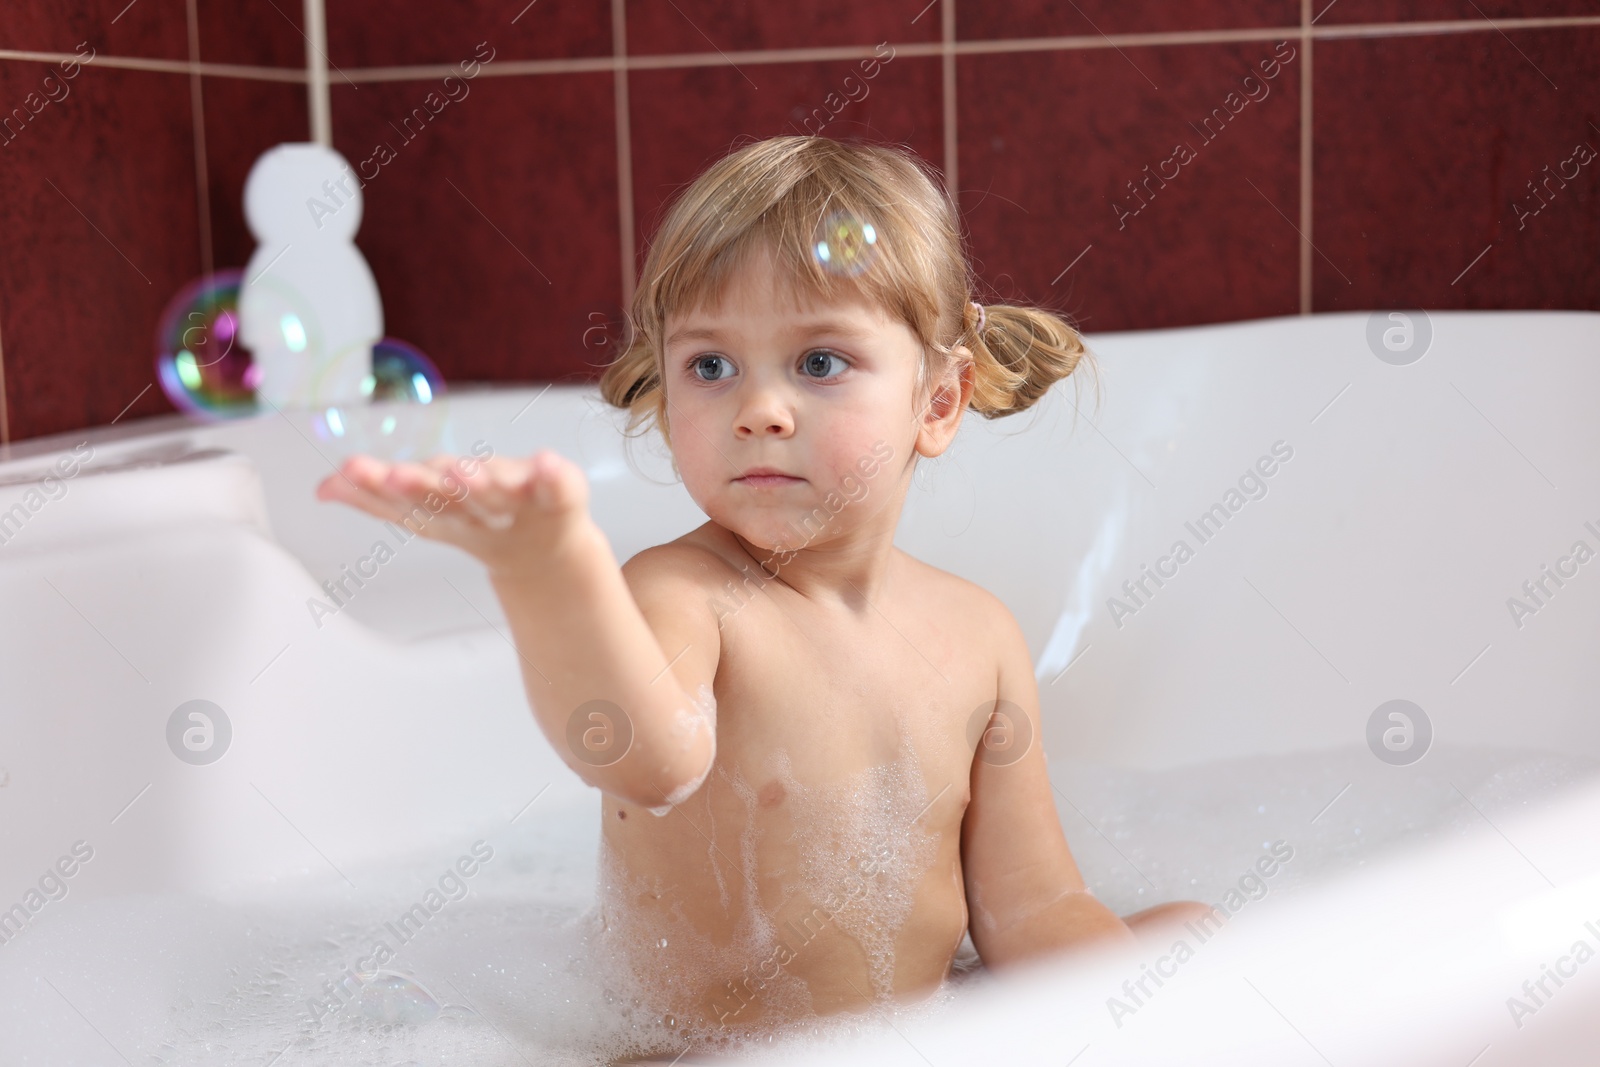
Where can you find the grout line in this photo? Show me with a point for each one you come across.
(163, 66)
(1411, 29)
(5, 413)
(511, 68)
(624, 126)
(1306, 134)
(317, 100)
(197, 111)
(952, 159)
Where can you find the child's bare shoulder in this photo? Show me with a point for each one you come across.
(672, 584)
(966, 604)
(693, 563)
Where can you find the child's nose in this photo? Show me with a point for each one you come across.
(764, 412)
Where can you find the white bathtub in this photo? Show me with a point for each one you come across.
(1406, 505)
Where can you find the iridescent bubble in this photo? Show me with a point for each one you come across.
(201, 365)
(401, 372)
(405, 418)
(392, 998)
(845, 244)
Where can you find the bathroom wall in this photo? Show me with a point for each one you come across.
(1135, 163)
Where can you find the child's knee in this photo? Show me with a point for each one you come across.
(1163, 920)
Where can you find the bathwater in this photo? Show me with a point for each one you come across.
(480, 949)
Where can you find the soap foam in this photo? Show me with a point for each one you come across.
(862, 854)
(686, 725)
(861, 842)
(514, 969)
(665, 969)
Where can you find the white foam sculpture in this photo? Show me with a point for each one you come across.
(309, 310)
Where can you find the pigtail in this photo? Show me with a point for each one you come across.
(1019, 353)
(633, 382)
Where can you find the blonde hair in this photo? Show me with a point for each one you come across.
(776, 193)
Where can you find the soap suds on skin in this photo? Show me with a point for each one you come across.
(861, 844)
(861, 856)
(686, 725)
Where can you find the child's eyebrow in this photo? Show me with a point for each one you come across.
(828, 326)
(703, 333)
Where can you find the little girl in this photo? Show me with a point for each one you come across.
(819, 759)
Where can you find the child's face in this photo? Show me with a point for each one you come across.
(824, 393)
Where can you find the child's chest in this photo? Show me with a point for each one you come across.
(844, 758)
(808, 705)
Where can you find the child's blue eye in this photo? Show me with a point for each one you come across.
(818, 362)
(700, 362)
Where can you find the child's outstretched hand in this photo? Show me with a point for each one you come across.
(510, 513)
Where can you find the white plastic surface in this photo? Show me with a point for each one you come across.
(1380, 563)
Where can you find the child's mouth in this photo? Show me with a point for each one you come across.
(766, 478)
(763, 481)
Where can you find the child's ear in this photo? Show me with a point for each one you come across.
(947, 401)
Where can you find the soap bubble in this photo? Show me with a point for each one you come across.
(392, 998)
(844, 244)
(201, 365)
(401, 372)
(405, 417)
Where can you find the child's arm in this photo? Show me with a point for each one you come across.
(580, 634)
(1025, 897)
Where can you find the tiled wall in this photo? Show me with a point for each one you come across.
(1111, 157)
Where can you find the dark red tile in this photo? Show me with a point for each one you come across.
(382, 33)
(673, 142)
(492, 231)
(1049, 143)
(1087, 18)
(152, 29)
(243, 119)
(1357, 11)
(101, 228)
(260, 33)
(1425, 147)
(669, 27)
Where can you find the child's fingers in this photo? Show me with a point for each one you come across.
(490, 497)
(415, 483)
(355, 473)
(352, 486)
(457, 498)
(476, 494)
(556, 483)
(481, 490)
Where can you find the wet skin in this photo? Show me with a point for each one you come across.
(842, 806)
